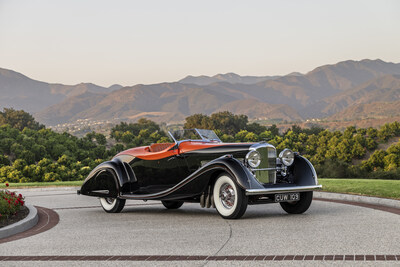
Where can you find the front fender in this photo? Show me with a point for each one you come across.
(236, 169)
(304, 172)
(109, 179)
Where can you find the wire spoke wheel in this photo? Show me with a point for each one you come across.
(227, 195)
(230, 200)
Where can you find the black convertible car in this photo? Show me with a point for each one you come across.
(198, 167)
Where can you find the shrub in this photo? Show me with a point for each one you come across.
(10, 203)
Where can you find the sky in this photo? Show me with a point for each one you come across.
(144, 42)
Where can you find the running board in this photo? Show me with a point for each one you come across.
(105, 192)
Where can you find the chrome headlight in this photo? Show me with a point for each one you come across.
(253, 158)
(287, 157)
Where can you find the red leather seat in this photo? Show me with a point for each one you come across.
(160, 147)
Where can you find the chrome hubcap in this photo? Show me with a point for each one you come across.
(227, 196)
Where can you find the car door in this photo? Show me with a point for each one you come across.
(158, 174)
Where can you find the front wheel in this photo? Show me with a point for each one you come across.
(171, 205)
(300, 206)
(230, 200)
(112, 205)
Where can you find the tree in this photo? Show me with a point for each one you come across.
(18, 119)
(4, 160)
(6, 144)
(28, 156)
(227, 138)
(199, 121)
(349, 132)
(274, 130)
(296, 129)
(255, 128)
(251, 137)
(101, 139)
(19, 164)
(127, 137)
(266, 135)
(135, 128)
(376, 161)
(343, 151)
(241, 136)
(357, 151)
(313, 130)
(227, 122)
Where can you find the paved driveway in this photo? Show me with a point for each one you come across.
(147, 228)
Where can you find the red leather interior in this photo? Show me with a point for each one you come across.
(160, 147)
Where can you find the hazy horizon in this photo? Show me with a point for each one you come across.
(134, 42)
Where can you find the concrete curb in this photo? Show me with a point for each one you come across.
(55, 188)
(21, 226)
(359, 199)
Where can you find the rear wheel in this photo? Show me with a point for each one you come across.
(172, 204)
(230, 200)
(297, 207)
(112, 205)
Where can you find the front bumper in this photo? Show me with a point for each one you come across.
(277, 190)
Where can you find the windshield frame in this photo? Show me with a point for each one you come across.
(199, 133)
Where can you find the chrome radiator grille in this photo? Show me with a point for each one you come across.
(266, 172)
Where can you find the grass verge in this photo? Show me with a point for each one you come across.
(42, 184)
(365, 187)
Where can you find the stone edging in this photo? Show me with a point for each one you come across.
(204, 259)
(392, 203)
(21, 226)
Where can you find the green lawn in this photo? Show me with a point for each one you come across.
(42, 184)
(366, 187)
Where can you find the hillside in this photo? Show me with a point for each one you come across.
(172, 101)
(228, 77)
(262, 111)
(68, 108)
(21, 92)
(374, 110)
(320, 93)
(349, 74)
(304, 91)
(384, 89)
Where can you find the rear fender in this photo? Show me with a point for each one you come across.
(109, 179)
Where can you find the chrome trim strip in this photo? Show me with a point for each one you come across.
(264, 169)
(266, 191)
(261, 144)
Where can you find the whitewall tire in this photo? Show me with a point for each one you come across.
(229, 199)
(112, 205)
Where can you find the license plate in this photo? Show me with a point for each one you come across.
(287, 197)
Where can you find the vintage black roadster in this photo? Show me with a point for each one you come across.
(198, 167)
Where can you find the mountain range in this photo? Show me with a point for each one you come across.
(343, 91)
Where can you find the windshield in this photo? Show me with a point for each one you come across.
(194, 134)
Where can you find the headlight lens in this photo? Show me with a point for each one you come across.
(253, 159)
(287, 157)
